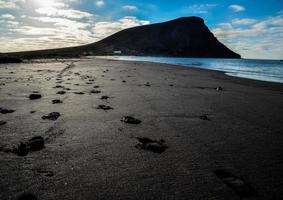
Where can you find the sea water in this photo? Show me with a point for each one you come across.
(266, 70)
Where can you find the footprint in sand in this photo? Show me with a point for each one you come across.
(155, 146)
(46, 173)
(34, 144)
(104, 107)
(27, 196)
(242, 188)
(2, 123)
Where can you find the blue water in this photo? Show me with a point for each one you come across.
(266, 70)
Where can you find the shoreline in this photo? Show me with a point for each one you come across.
(196, 133)
(221, 74)
(229, 73)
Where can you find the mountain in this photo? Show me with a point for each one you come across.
(182, 37)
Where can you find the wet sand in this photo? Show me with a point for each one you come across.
(192, 140)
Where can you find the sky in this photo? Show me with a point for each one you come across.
(252, 28)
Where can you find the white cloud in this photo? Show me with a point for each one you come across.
(244, 21)
(237, 8)
(62, 22)
(8, 23)
(68, 13)
(267, 26)
(104, 29)
(100, 3)
(10, 4)
(55, 27)
(256, 39)
(199, 8)
(130, 8)
(7, 16)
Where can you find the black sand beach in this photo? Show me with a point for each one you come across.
(135, 130)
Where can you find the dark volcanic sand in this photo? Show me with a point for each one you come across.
(234, 152)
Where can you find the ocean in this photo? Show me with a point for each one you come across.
(265, 70)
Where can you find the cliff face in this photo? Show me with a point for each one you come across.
(183, 37)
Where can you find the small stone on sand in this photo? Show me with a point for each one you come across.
(58, 86)
(79, 93)
(130, 120)
(6, 111)
(104, 97)
(52, 116)
(95, 91)
(104, 107)
(34, 96)
(56, 101)
(61, 92)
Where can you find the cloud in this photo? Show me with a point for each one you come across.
(56, 27)
(200, 8)
(68, 13)
(38, 24)
(107, 28)
(254, 39)
(7, 16)
(237, 8)
(10, 4)
(267, 26)
(244, 21)
(62, 22)
(130, 8)
(100, 3)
